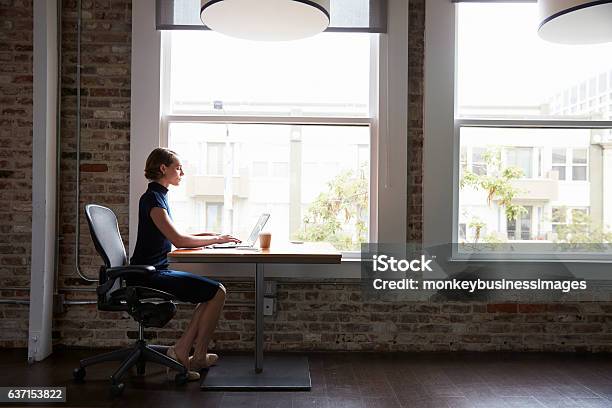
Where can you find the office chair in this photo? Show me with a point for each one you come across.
(149, 307)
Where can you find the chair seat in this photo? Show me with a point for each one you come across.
(150, 307)
(153, 314)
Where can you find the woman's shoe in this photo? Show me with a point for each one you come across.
(199, 364)
(191, 375)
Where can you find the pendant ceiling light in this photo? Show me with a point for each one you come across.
(575, 21)
(266, 20)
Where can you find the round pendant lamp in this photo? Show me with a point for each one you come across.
(266, 20)
(575, 21)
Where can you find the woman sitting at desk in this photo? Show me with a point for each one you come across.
(156, 233)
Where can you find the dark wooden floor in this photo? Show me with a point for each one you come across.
(351, 380)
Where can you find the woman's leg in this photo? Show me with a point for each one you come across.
(209, 296)
(209, 318)
(183, 345)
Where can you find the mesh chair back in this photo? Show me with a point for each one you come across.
(105, 234)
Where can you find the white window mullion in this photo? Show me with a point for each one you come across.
(534, 123)
(272, 120)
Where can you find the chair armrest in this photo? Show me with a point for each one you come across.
(118, 271)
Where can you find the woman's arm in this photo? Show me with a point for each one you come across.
(163, 222)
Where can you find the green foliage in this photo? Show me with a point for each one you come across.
(497, 183)
(478, 225)
(582, 230)
(344, 203)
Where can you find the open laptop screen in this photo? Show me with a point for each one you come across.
(258, 227)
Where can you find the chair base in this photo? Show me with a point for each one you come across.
(137, 355)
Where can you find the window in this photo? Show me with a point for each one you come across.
(521, 158)
(520, 228)
(526, 96)
(214, 216)
(570, 224)
(479, 164)
(214, 158)
(570, 164)
(559, 162)
(559, 218)
(579, 164)
(536, 110)
(286, 128)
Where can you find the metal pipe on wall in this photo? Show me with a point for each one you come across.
(78, 148)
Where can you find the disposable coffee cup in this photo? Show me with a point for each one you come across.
(264, 240)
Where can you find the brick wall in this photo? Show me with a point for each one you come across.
(104, 159)
(330, 315)
(333, 316)
(416, 47)
(15, 166)
(105, 123)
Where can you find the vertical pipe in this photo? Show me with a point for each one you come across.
(78, 149)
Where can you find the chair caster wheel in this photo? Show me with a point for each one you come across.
(180, 379)
(79, 374)
(117, 389)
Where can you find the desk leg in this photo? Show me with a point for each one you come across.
(284, 372)
(259, 323)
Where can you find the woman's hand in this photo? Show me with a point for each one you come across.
(222, 239)
(163, 222)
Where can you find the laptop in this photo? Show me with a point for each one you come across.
(261, 222)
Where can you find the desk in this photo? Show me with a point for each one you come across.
(282, 372)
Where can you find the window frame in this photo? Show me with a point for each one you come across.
(441, 123)
(388, 105)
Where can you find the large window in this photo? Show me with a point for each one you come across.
(532, 131)
(283, 128)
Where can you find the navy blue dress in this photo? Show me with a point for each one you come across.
(152, 248)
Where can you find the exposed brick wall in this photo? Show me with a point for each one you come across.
(334, 316)
(16, 83)
(323, 316)
(416, 47)
(106, 36)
